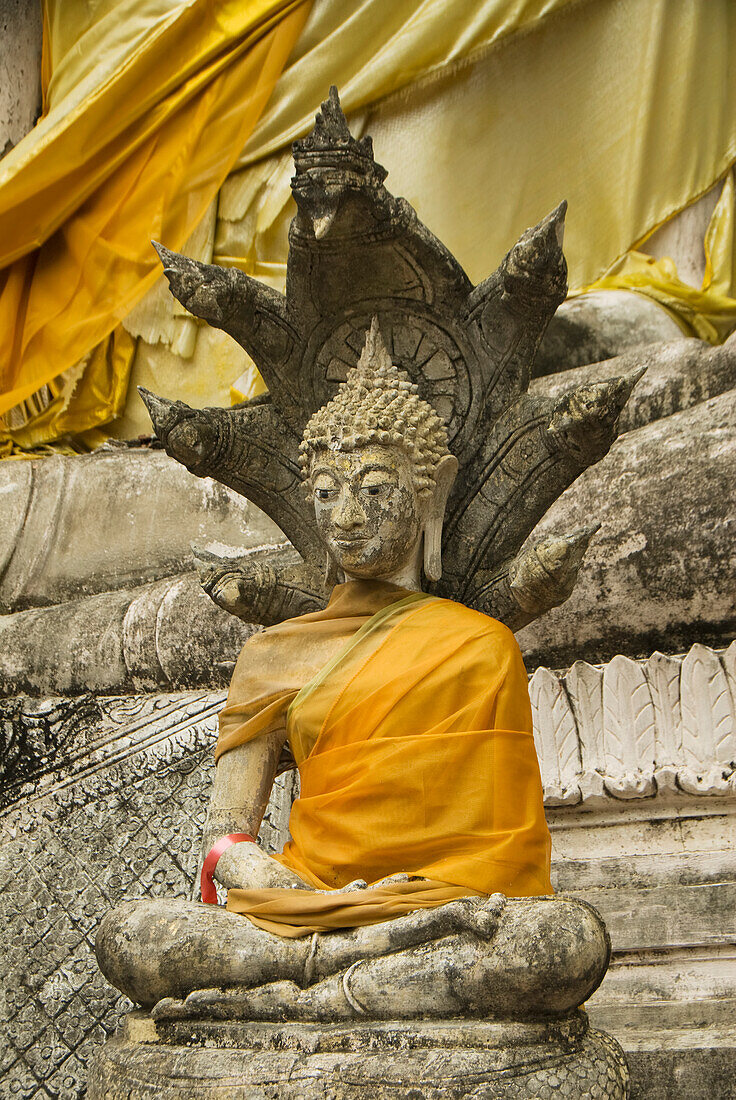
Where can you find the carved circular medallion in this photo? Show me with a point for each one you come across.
(429, 352)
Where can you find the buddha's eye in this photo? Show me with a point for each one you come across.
(326, 494)
(376, 483)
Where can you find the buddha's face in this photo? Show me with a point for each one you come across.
(367, 508)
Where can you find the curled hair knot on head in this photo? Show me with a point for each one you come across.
(378, 403)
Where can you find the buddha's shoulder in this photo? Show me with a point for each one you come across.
(467, 618)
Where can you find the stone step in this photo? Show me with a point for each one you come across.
(681, 1063)
(666, 916)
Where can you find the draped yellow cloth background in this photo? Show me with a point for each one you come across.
(493, 112)
(708, 312)
(148, 103)
(415, 751)
(486, 113)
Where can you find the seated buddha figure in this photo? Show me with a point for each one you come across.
(419, 836)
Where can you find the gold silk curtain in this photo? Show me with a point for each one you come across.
(709, 311)
(485, 112)
(627, 108)
(147, 104)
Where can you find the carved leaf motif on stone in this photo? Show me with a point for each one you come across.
(628, 730)
(708, 736)
(584, 685)
(728, 660)
(663, 674)
(556, 739)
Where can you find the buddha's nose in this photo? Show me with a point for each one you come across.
(348, 514)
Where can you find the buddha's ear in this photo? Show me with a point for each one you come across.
(444, 476)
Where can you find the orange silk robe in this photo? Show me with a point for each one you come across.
(409, 720)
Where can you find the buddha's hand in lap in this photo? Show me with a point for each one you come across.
(361, 884)
(245, 866)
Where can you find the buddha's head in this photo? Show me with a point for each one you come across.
(378, 468)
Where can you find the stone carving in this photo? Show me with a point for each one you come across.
(157, 750)
(118, 810)
(165, 635)
(628, 729)
(599, 325)
(379, 455)
(631, 729)
(708, 724)
(35, 733)
(680, 373)
(355, 252)
(607, 613)
(556, 739)
(304, 1062)
(140, 513)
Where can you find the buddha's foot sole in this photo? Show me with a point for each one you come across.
(411, 1060)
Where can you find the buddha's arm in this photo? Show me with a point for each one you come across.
(242, 785)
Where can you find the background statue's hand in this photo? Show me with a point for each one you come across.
(246, 867)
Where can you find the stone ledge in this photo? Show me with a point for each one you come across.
(451, 1060)
(687, 1063)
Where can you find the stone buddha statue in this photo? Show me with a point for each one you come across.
(406, 938)
(416, 881)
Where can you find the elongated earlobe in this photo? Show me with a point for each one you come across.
(444, 477)
(433, 550)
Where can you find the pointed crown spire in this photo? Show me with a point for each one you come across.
(331, 145)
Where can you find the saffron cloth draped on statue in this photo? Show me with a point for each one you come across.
(409, 720)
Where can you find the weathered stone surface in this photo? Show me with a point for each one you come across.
(427, 1062)
(699, 1065)
(600, 325)
(660, 573)
(166, 634)
(119, 814)
(20, 70)
(493, 958)
(679, 374)
(664, 879)
(82, 524)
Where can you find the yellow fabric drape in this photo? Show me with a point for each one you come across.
(415, 751)
(627, 109)
(708, 312)
(294, 914)
(148, 106)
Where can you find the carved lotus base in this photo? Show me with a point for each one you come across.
(419, 1060)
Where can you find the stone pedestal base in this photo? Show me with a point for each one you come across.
(411, 1060)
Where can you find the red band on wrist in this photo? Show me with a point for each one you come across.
(206, 882)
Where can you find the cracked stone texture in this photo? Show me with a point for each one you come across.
(661, 572)
(296, 1063)
(111, 823)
